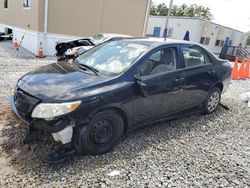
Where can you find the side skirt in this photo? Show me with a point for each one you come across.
(170, 117)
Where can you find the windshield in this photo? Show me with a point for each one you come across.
(98, 39)
(112, 58)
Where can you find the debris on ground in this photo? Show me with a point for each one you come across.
(245, 97)
(114, 173)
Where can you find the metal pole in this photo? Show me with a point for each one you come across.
(169, 12)
(146, 18)
(45, 27)
(46, 6)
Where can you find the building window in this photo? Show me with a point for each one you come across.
(222, 43)
(5, 3)
(170, 32)
(202, 40)
(217, 43)
(26, 3)
(207, 41)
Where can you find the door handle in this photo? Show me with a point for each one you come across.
(179, 79)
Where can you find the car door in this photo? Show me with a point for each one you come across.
(199, 73)
(161, 85)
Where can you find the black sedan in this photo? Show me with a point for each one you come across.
(116, 87)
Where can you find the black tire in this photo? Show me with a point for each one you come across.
(212, 102)
(103, 133)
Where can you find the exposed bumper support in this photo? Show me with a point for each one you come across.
(53, 126)
(61, 130)
(50, 127)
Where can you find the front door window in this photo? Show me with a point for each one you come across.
(163, 60)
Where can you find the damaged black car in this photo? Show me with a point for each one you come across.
(117, 87)
(71, 49)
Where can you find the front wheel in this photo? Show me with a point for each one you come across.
(212, 102)
(103, 133)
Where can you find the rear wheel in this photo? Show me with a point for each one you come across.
(103, 133)
(212, 102)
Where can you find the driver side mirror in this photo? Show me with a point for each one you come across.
(141, 86)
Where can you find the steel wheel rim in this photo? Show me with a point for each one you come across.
(102, 132)
(213, 101)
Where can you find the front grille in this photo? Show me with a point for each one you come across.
(25, 103)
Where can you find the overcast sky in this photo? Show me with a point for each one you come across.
(231, 13)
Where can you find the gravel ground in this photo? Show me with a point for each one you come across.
(196, 151)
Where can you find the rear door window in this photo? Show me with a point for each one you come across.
(194, 56)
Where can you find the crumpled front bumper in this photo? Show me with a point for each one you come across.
(14, 109)
(50, 127)
(64, 135)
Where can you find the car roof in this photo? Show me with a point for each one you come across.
(152, 43)
(108, 35)
(114, 35)
(159, 41)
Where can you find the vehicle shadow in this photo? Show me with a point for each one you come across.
(137, 143)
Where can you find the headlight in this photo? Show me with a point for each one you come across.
(52, 110)
(71, 52)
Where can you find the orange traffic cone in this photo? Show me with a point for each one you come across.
(15, 44)
(247, 68)
(40, 52)
(235, 73)
(242, 69)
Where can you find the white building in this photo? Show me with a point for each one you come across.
(49, 21)
(211, 35)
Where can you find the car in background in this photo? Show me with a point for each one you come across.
(116, 87)
(72, 48)
(6, 36)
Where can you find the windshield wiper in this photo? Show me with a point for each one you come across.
(88, 67)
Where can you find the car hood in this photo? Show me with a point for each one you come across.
(79, 50)
(83, 47)
(54, 81)
(72, 40)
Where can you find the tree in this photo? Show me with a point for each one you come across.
(162, 9)
(248, 38)
(153, 10)
(193, 10)
(159, 10)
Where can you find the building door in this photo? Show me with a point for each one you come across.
(157, 31)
